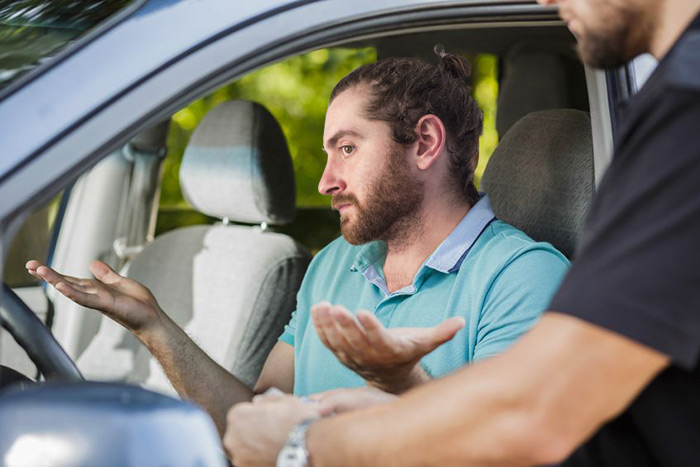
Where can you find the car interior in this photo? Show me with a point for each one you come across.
(230, 275)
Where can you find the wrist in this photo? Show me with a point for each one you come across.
(295, 453)
(158, 332)
(399, 384)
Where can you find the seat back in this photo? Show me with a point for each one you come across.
(540, 178)
(231, 287)
(535, 76)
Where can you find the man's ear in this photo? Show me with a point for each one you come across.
(474, 162)
(431, 140)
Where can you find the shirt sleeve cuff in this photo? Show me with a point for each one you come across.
(287, 338)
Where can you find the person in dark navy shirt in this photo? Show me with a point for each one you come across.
(637, 271)
(611, 375)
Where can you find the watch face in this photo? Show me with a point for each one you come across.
(292, 456)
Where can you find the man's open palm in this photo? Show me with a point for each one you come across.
(385, 358)
(124, 300)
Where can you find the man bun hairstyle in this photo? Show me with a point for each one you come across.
(403, 90)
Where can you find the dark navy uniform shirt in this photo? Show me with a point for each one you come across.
(637, 271)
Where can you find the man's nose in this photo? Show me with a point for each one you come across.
(331, 181)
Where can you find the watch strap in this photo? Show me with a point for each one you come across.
(294, 453)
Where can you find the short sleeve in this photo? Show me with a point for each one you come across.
(638, 270)
(289, 329)
(517, 298)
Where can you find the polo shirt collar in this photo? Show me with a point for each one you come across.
(449, 255)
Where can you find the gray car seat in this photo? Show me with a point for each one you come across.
(231, 287)
(536, 77)
(540, 177)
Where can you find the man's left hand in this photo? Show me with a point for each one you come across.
(386, 358)
(256, 431)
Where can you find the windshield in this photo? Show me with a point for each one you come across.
(32, 32)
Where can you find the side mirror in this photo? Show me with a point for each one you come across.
(86, 424)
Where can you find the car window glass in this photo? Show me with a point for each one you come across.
(32, 241)
(34, 31)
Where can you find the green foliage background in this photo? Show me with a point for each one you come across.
(296, 92)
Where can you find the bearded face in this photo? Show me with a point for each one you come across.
(610, 32)
(390, 206)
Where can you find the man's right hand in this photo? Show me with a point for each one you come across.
(124, 300)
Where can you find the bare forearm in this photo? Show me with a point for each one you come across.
(532, 405)
(432, 426)
(193, 374)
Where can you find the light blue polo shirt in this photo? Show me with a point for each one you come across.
(486, 271)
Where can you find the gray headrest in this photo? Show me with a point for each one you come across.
(540, 177)
(532, 80)
(237, 166)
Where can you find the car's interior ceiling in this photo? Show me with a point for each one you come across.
(538, 57)
(487, 39)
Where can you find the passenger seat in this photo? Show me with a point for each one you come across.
(540, 178)
(232, 287)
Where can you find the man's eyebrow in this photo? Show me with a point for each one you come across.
(334, 139)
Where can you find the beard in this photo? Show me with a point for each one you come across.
(391, 209)
(604, 51)
(616, 43)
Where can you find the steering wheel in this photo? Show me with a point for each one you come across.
(30, 333)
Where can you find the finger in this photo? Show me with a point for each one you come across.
(33, 273)
(80, 283)
(321, 305)
(329, 401)
(32, 265)
(448, 328)
(319, 315)
(376, 333)
(351, 330)
(49, 275)
(328, 333)
(338, 343)
(78, 296)
(334, 334)
(330, 405)
(104, 273)
(431, 338)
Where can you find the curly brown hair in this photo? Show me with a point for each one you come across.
(403, 90)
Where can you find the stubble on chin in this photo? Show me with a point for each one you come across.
(615, 44)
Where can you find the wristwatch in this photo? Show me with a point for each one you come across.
(294, 453)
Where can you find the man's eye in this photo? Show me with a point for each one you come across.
(347, 150)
